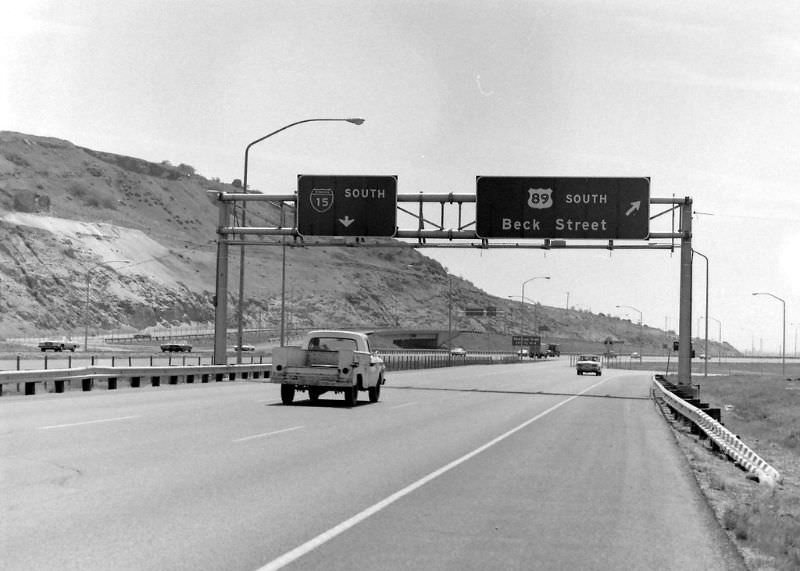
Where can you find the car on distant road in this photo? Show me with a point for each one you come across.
(244, 347)
(636, 355)
(176, 347)
(589, 364)
(58, 346)
(458, 352)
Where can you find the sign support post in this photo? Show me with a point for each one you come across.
(221, 294)
(685, 325)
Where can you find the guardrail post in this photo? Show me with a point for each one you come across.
(45, 361)
(112, 383)
(173, 379)
(59, 386)
(189, 378)
(155, 381)
(204, 378)
(30, 388)
(86, 384)
(18, 358)
(69, 361)
(135, 382)
(219, 377)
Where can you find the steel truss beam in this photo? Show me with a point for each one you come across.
(427, 229)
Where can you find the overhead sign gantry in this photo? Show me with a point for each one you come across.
(561, 212)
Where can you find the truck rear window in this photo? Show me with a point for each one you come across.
(331, 344)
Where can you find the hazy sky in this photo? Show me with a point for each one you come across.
(703, 97)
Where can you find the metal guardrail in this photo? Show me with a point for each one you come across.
(396, 360)
(728, 442)
(61, 378)
(405, 359)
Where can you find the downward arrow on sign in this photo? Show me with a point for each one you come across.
(347, 221)
(634, 207)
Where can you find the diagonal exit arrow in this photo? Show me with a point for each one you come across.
(634, 207)
(347, 221)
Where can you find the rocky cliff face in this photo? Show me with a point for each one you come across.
(142, 235)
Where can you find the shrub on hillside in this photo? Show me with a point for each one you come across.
(94, 197)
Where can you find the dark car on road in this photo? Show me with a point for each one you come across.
(176, 347)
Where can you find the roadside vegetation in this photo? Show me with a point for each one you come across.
(761, 405)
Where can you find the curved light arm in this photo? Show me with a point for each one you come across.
(633, 308)
(354, 121)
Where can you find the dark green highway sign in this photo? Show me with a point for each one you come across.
(563, 207)
(333, 205)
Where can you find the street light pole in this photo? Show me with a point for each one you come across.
(86, 307)
(641, 328)
(522, 302)
(354, 121)
(783, 343)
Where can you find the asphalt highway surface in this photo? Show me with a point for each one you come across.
(518, 466)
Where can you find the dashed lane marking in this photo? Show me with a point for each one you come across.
(265, 434)
(87, 422)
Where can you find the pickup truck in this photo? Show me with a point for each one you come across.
(58, 346)
(328, 360)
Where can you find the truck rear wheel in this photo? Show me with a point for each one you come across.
(351, 396)
(313, 395)
(375, 392)
(287, 393)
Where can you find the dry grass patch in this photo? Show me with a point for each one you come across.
(762, 407)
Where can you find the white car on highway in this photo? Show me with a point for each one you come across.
(589, 364)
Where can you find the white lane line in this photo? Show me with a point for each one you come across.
(402, 405)
(87, 422)
(326, 536)
(265, 434)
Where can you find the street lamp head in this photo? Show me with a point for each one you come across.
(355, 121)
